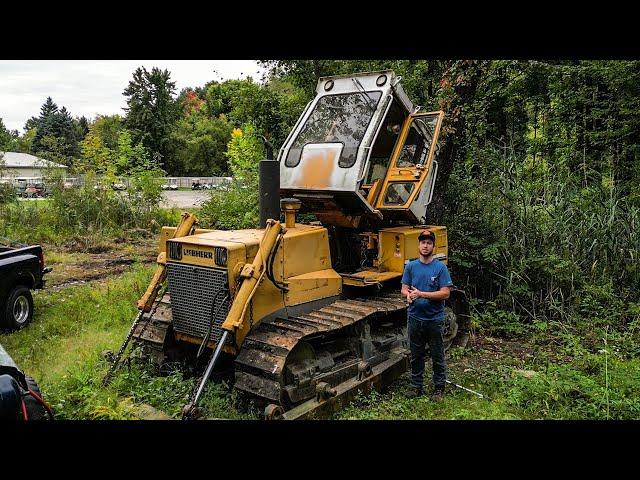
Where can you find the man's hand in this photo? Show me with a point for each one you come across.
(413, 294)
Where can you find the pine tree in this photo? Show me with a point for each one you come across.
(81, 126)
(67, 132)
(44, 124)
(151, 110)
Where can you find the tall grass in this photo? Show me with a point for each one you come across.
(86, 211)
(538, 241)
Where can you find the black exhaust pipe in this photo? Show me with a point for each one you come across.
(269, 187)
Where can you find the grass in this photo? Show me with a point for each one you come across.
(569, 379)
(62, 349)
(582, 369)
(552, 373)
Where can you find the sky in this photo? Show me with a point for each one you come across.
(91, 87)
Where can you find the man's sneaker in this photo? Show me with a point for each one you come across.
(414, 392)
(438, 395)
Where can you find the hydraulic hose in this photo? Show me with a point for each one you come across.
(270, 266)
(213, 316)
(25, 416)
(40, 400)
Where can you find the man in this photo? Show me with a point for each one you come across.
(425, 284)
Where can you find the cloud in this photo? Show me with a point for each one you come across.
(91, 87)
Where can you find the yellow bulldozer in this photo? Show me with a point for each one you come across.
(311, 314)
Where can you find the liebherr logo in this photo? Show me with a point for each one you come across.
(197, 253)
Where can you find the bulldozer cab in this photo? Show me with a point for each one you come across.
(361, 150)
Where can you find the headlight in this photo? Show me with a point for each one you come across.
(220, 256)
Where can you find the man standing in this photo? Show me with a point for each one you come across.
(425, 284)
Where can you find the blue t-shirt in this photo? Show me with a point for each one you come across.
(426, 277)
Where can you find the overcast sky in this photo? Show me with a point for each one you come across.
(90, 87)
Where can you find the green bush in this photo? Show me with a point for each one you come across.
(92, 211)
(237, 207)
(7, 194)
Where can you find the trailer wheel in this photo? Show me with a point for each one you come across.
(34, 409)
(18, 309)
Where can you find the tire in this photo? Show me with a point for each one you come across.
(18, 309)
(35, 411)
(450, 329)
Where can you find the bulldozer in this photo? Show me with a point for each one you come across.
(311, 313)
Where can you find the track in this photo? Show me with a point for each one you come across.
(284, 360)
(270, 369)
(151, 331)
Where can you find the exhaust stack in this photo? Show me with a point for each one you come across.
(269, 191)
(290, 207)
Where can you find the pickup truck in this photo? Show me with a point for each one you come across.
(21, 270)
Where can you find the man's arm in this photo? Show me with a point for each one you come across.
(406, 283)
(406, 292)
(441, 294)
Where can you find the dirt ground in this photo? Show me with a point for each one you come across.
(74, 265)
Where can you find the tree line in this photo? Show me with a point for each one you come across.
(185, 133)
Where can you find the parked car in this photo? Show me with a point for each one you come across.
(21, 270)
(20, 396)
(196, 185)
(69, 183)
(35, 190)
(171, 184)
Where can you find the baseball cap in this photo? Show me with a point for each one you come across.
(425, 234)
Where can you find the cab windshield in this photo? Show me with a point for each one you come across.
(341, 118)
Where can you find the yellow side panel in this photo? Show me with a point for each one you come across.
(313, 286)
(266, 300)
(305, 251)
(398, 245)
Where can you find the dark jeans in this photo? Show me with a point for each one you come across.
(422, 333)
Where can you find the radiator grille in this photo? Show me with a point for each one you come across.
(192, 290)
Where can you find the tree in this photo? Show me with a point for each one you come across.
(55, 124)
(245, 151)
(81, 127)
(108, 148)
(24, 142)
(7, 139)
(199, 142)
(151, 110)
(68, 133)
(273, 108)
(130, 158)
(237, 207)
(95, 154)
(45, 124)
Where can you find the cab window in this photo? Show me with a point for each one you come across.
(418, 142)
(385, 141)
(341, 118)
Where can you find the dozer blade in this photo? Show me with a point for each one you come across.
(325, 404)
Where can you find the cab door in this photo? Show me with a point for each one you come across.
(411, 161)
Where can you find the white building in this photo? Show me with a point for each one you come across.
(24, 165)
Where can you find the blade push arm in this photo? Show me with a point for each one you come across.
(251, 275)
